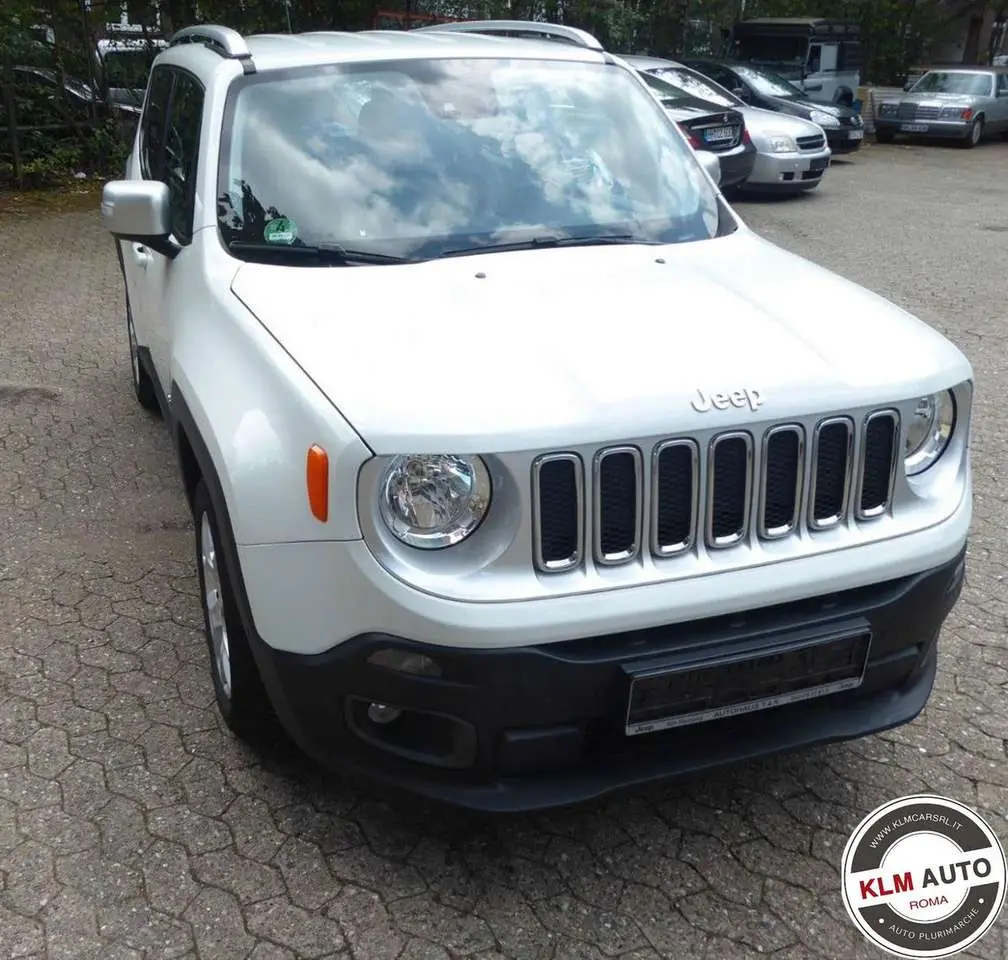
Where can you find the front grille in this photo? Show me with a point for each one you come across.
(815, 142)
(927, 113)
(768, 486)
(907, 111)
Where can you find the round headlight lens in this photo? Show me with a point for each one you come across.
(928, 431)
(434, 500)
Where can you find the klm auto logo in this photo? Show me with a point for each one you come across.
(703, 402)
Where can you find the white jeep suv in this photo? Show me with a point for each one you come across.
(521, 469)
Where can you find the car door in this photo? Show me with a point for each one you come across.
(1001, 103)
(174, 162)
(136, 257)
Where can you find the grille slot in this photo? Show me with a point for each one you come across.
(558, 508)
(815, 142)
(618, 508)
(781, 481)
(878, 463)
(729, 487)
(831, 468)
(675, 493)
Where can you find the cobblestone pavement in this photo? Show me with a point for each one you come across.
(132, 825)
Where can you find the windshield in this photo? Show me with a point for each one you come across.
(698, 86)
(781, 51)
(417, 158)
(768, 84)
(939, 81)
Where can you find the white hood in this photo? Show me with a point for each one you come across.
(763, 123)
(553, 348)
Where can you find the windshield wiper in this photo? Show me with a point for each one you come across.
(330, 254)
(535, 243)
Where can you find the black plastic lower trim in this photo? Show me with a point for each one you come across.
(550, 720)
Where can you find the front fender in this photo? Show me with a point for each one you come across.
(256, 414)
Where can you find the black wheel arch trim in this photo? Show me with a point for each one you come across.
(183, 423)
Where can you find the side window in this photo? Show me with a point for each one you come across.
(814, 58)
(182, 139)
(152, 139)
(1003, 85)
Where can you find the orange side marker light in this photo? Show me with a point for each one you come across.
(317, 477)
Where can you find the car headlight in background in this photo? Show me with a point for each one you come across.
(929, 430)
(824, 119)
(887, 109)
(434, 500)
(782, 143)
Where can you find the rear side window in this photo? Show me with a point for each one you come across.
(182, 138)
(155, 114)
(1003, 84)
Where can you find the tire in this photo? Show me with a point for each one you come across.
(143, 386)
(238, 688)
(886, 136)
(975, 135)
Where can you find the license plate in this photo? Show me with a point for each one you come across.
(738, 683)
(821, 164)
(914, 127)
(856, 135)
(717, 134)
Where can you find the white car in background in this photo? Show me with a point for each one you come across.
(792, 154)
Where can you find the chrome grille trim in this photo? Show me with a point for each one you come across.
(720, 543)
(875, 512)
(672, 549)
(569, 563)
(827, 523)
(623, 556)
(774, 533)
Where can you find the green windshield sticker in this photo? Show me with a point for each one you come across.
(280, 230)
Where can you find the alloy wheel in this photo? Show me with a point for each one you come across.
(214, 602)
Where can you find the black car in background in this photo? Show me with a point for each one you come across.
(710, 127)
(842, 125)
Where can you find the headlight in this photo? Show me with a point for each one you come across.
(929, 431)
(824, 119)
(434, 500)
(888, 108)
(782, 143)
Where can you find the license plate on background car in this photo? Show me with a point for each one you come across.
(718, 133)
(856, 135)
(914, 127)
(702, 690)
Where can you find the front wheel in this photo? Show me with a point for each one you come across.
(975, 134)
(238, 688)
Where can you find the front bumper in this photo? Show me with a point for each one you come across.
(521, 728)
(844, 139)
(944, 129)
(788, 172)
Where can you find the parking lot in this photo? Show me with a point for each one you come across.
(132, 825)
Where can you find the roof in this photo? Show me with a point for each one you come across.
(640, 62)
(277, 51)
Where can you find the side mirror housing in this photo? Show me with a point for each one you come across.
(907, 85)
(711, 164)
(139, 210)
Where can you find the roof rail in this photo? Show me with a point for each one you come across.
(229, 43)
(548, 31)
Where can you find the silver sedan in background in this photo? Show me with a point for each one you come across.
(792, 154)
(960, 103)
